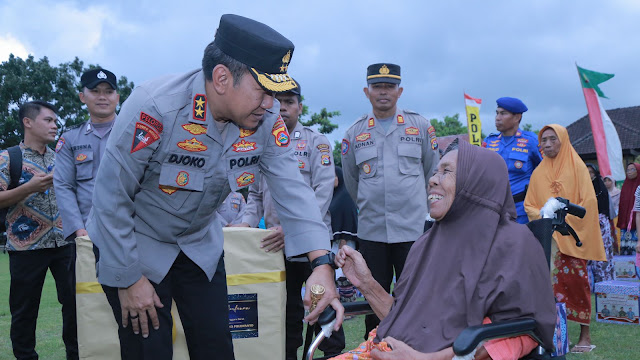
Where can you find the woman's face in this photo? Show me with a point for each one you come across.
(608, 183)
(442, 186)
(336, 182)
(632, 173)
(550, 143)
(591, 172)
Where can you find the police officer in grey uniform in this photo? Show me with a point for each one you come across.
(80, 149)
(386, 157)
(232, 209)
(315, 162)
(172, 158)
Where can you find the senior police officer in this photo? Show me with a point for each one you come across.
(315, 162)
(518, 148)
(80, 149)
(386, 157)
(180, 144)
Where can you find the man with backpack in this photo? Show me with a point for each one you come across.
(34, 232)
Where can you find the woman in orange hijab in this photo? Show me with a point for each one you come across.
(562, 173)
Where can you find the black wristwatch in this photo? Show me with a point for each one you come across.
(328, 258)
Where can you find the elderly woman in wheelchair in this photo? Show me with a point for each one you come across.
(475, 265)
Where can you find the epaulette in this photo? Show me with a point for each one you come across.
(493, 134)
(361, 118)
(76, 126)
(410, 112)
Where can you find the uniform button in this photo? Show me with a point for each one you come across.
(117, 277)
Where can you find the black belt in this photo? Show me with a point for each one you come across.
(519, 197)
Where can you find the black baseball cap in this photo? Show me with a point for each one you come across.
(265, 51)
(91, 78)
(383, 73)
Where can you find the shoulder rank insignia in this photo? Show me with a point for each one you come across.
(372, 122)
(192, 145)
(200, 107)
(195, 129)
(400, 120)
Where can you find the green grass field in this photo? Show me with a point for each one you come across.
(614, 342)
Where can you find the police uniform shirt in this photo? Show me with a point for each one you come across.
(232, 209)
(522, 155)
(315, 162)
(166, 170)
(79, 151)
(386, 173)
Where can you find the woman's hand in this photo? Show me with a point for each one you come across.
(353, 266)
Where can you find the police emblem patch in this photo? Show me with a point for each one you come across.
(143, 136)
(323, 147)
(245, 179)
(400, 119)
(522, 144)
(484, 144)
(366, 168)
(168, 189)
(412, 131)
(372, 122)
(345, 146)
(200, 107)
(280, 133)
(301, 145)
(300, 164)
(192, 145)
(155, 124)
(60, 144)
(183, 178)
(518, 164)
(81, 157)
(326, 160)
(244, 146)
(195, 129)
(245, 132)
(363, 137)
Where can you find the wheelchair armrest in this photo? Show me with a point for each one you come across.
(470, 337)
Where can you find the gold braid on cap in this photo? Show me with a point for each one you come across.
(276, 86)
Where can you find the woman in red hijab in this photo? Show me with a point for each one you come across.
(626, 220)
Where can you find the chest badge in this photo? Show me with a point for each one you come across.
(81, 157)
(366, 168)
(192, 145)
(244, 133)
(363, 137)
(168, 189)
(245, 179)
(195, 129)
(183, 178)
(518, 164)
(244, 146)
(301, 145)
(412, 131)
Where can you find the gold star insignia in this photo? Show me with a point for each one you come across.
(199, 112)
(199, 102)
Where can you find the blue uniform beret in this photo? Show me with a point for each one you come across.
(514, 105)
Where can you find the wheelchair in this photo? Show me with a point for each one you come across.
(469, 339)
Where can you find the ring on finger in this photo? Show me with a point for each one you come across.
(133, 317)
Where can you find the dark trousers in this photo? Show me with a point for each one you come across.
(28, 270)
(297, 274)
(203, 309)
(383, 259)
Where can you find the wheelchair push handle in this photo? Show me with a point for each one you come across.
(573, 209)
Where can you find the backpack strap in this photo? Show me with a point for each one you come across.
(15, 166)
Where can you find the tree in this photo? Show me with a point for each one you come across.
(30, 79)
(323, 118)
(529, 127)
(450, 126)
(337, 153)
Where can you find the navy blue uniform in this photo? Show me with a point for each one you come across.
(522, 155)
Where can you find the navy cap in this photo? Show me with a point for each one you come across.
(511, 104)
(265, 51)
(383, 73)
(91, 78)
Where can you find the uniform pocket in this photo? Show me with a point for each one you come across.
(409, 156)
(178, 183)
(518, 161)
(367, 160)
(84, 164)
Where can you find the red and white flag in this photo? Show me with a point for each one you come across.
(605, 136)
